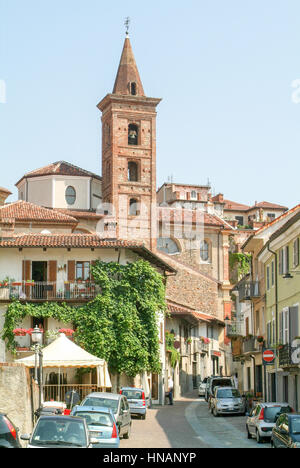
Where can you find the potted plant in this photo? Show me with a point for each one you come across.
(260, 340)
(189, 340)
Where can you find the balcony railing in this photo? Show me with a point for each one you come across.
(249, 290)
(289, 356)
(235, 328)
(58, 392)
(50, 291)
(251, 345)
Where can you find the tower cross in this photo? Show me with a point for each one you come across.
(127, 24)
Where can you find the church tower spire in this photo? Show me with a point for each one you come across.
(129, 154)
(128, 79)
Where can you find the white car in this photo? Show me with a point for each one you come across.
(202, 387)
(263, 418)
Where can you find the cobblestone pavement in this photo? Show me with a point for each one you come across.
(189, 424)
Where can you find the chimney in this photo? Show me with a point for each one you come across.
(7, 228)
(4, 194)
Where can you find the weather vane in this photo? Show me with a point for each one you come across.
(127, 24)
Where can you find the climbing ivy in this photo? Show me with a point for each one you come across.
(174, 353)
(239, 265)
(119, 325)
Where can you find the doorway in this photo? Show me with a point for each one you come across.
(39, 276)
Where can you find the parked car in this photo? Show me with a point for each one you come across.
(217, 381)
(119, 406)
(286, 433)
(227, 400)
(202, 387)
(138, 403)
(101, 424)
(9, 437)
(59, 432)
(263, 418)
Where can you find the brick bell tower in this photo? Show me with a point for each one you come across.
(129, 153)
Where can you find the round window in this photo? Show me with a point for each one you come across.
(70, 195)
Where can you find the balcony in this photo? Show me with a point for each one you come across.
(201, 347)
(235, 329)
(250, 345)
(78, 291)
(289, 356)
(249, 290)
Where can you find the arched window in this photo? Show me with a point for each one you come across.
(133, 89)
(70, 195)
(167, 245)
(133, 134)
(204, 251)
(133, 207)
(132, 171)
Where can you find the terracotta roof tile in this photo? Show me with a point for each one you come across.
(65, 241)
(25, 211)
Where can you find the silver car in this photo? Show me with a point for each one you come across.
(227, 400)
(263, 418)
(202, 387)
(138, 402)
(119, 406)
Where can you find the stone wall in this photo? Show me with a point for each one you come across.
(15, 395)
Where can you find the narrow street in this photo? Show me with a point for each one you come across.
(189, 424)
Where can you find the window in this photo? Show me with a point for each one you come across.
(240, 220)
(194, 195)
(133, 89)
(167, 245)
(268, 278)
(273, 273)
(133, 133)
(133, 207)
(82, 271)
(271, 216)
(70, 195)
(296, 253)
(204, 251)
(132, 171)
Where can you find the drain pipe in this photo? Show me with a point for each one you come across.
(254, 373)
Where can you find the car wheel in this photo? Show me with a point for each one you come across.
(143, 416)
(248, 433)
(258, 438)
(127, 435)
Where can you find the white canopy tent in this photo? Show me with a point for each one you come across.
(63, 353)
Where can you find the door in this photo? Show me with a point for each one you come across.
(39, 276)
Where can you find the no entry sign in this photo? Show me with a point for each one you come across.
(268, 356)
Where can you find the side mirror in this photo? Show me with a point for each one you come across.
(25, 437)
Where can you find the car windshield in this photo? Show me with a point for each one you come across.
(295, 426)
(271, 413)
(102, 401)
(228, 393)
(133, 394)
(221, 383)
(59, 432)
(96, 419)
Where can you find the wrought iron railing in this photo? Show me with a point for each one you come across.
(289, 355)
(58, 392)
(249, 290)
(36, 290)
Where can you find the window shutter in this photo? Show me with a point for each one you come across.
(293, 323)
(281, 327)
(52, 277)
(71, 270)
(287, 267)
(281, 262)
(26, 275)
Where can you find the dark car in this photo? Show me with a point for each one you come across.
(8, 433)
(286, 433)
(59, 432)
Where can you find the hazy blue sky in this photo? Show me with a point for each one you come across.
(223, 68)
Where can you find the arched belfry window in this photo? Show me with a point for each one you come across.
(133, 89)
(132, 171)
(133, 134)
(133, 207)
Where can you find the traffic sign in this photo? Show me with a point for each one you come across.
(268, 356)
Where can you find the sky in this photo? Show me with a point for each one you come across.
(228, 73)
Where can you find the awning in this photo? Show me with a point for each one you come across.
(64, 353)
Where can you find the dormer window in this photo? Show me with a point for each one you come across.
(133, 89)
(133, 134)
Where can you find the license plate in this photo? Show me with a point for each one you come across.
(97, 434)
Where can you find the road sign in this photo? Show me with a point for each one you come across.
(268, 357)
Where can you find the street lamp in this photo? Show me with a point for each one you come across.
(37, 340)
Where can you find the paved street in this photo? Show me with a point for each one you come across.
(189, 424)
